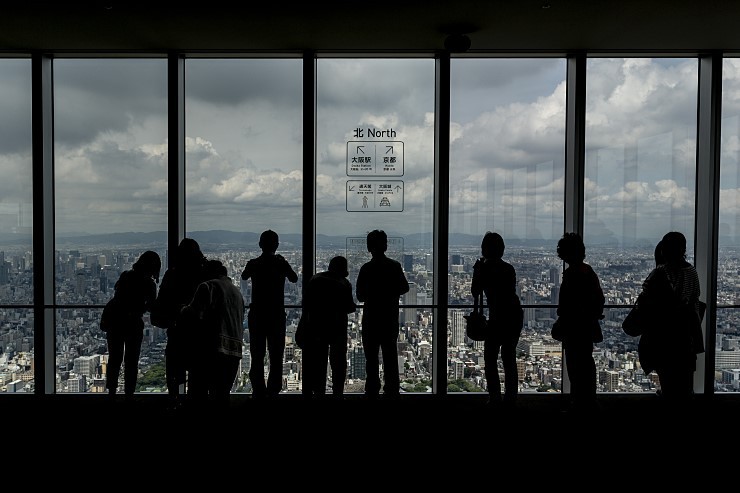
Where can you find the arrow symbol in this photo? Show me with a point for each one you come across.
(351, 188)
(390, 149)
(359, 150)
(398, 188)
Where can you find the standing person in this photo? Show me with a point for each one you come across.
(580, 307)
(328, 302)
(266, 317)
(380, 283)
(178, 287)
(669, 346)
(497, 279)
(217, 310)
(136, 290)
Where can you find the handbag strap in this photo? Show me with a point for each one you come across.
(478, 303)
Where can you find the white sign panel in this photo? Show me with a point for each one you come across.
(374, 158)
(374, 196)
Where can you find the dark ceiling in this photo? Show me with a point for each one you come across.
(516, 26)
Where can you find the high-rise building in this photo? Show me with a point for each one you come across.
(357, 364)
(409, 315)
(408, 263)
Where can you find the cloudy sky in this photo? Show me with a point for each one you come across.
(244, 145)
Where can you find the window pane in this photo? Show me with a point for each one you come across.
(16, 197)
(640, 176)
(375, 170)
(244, 172)
(727, 356)
(507, 148)
(110, 178)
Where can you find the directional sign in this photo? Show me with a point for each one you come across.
(374, 158)
(374, 196)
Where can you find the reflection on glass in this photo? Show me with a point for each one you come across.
(507, 148)
(375, 170)
(244, 173)
(727, 342)
(110, 177)
(16, 210)
(640, 179)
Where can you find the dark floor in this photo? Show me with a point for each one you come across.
(418, 440)
(533, 412)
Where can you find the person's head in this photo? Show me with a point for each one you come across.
(213, 269)
(673, 247)
(269, 241)
(189, 253)
(149, 264)
(659, 257)
(492, 245)
(338, 265)
(571, 249)
(377, 241)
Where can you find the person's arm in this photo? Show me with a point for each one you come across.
(247, 272)
(360, 288)
(290, 274)
(476, 286)
(403, 283)
(349, 301)
(199, 304)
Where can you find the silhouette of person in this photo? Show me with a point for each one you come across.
(671, 293)
(217, 309)
(176, 291)
(380, 283)
(658, 253)
(580, 307)
(137, 290)
(266, 317)
(328, 302)
(497, 279)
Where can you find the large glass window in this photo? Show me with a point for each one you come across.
(244, 173)
(110, 196)
(639, 185)
(507, 148)
(375, 170)
(727, 342)
(16, 217)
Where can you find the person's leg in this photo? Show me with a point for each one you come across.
(257, 351)
(276, 350)
(115, 359)
(490, 357)
(338, 363)
(223, 377)
(582, 373)
(174, 366)
(389, 348)
(511, 376)
(322, 358)
(371, 346)
(131, 355)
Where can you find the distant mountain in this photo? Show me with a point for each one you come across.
(218, 239)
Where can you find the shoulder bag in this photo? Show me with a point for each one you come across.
(476, 325)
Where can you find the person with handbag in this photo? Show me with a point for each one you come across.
(669, 345)
(497, 279)
(580, 308)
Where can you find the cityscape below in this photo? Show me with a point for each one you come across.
(85, 277)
